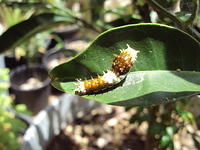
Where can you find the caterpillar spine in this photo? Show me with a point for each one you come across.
(121, 65)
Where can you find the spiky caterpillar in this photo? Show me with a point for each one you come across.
(121, 65)
(123, 62)
(97, 84)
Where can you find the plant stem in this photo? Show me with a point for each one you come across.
(164, 11)
(183, 25)
(195, 9)
(71, 14)
(151, 143)
(192, 31)
(86, 24)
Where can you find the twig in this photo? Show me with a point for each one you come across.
(70, 13)
(195, 9)
(186, 26)
(158, 7)
(86, 24)
(194, 32)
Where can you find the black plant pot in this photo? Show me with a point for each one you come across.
(56, 55)
(35, 98)
(67, 32)
(11, 62)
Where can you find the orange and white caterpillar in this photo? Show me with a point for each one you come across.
(97, 84)
(123, 62)
(121, 65)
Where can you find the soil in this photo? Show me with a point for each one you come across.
(77, 45)
(62, 142)
(109, 128)
(55, 62)
(102, 129)
(31, 83)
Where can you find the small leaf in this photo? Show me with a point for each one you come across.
(20, 108)
(187, 117)
(170, 131)
(165, 140)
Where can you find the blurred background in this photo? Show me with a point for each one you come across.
(36, 116)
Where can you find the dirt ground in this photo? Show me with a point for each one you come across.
(108, 128)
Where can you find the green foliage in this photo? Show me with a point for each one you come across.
(185, 115)
(11, 16)
(167, 68)
(34, 47)
(15, 36)
(164, 121)
(9, 125)
(167, 138)
(158, 60)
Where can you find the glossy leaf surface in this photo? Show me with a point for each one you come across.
(155, 77)
(21, 32)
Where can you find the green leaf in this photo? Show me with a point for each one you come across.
(165, 140)
(170, 131)
(187, 117)
(183, 15)
(167, 137)
(23, 31)
(153, 78)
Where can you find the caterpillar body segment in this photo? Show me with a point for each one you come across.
(123, 62)
(97, 84)
(121, 65)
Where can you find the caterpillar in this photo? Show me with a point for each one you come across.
(97, 84)
(123, 62)
(121, 65)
